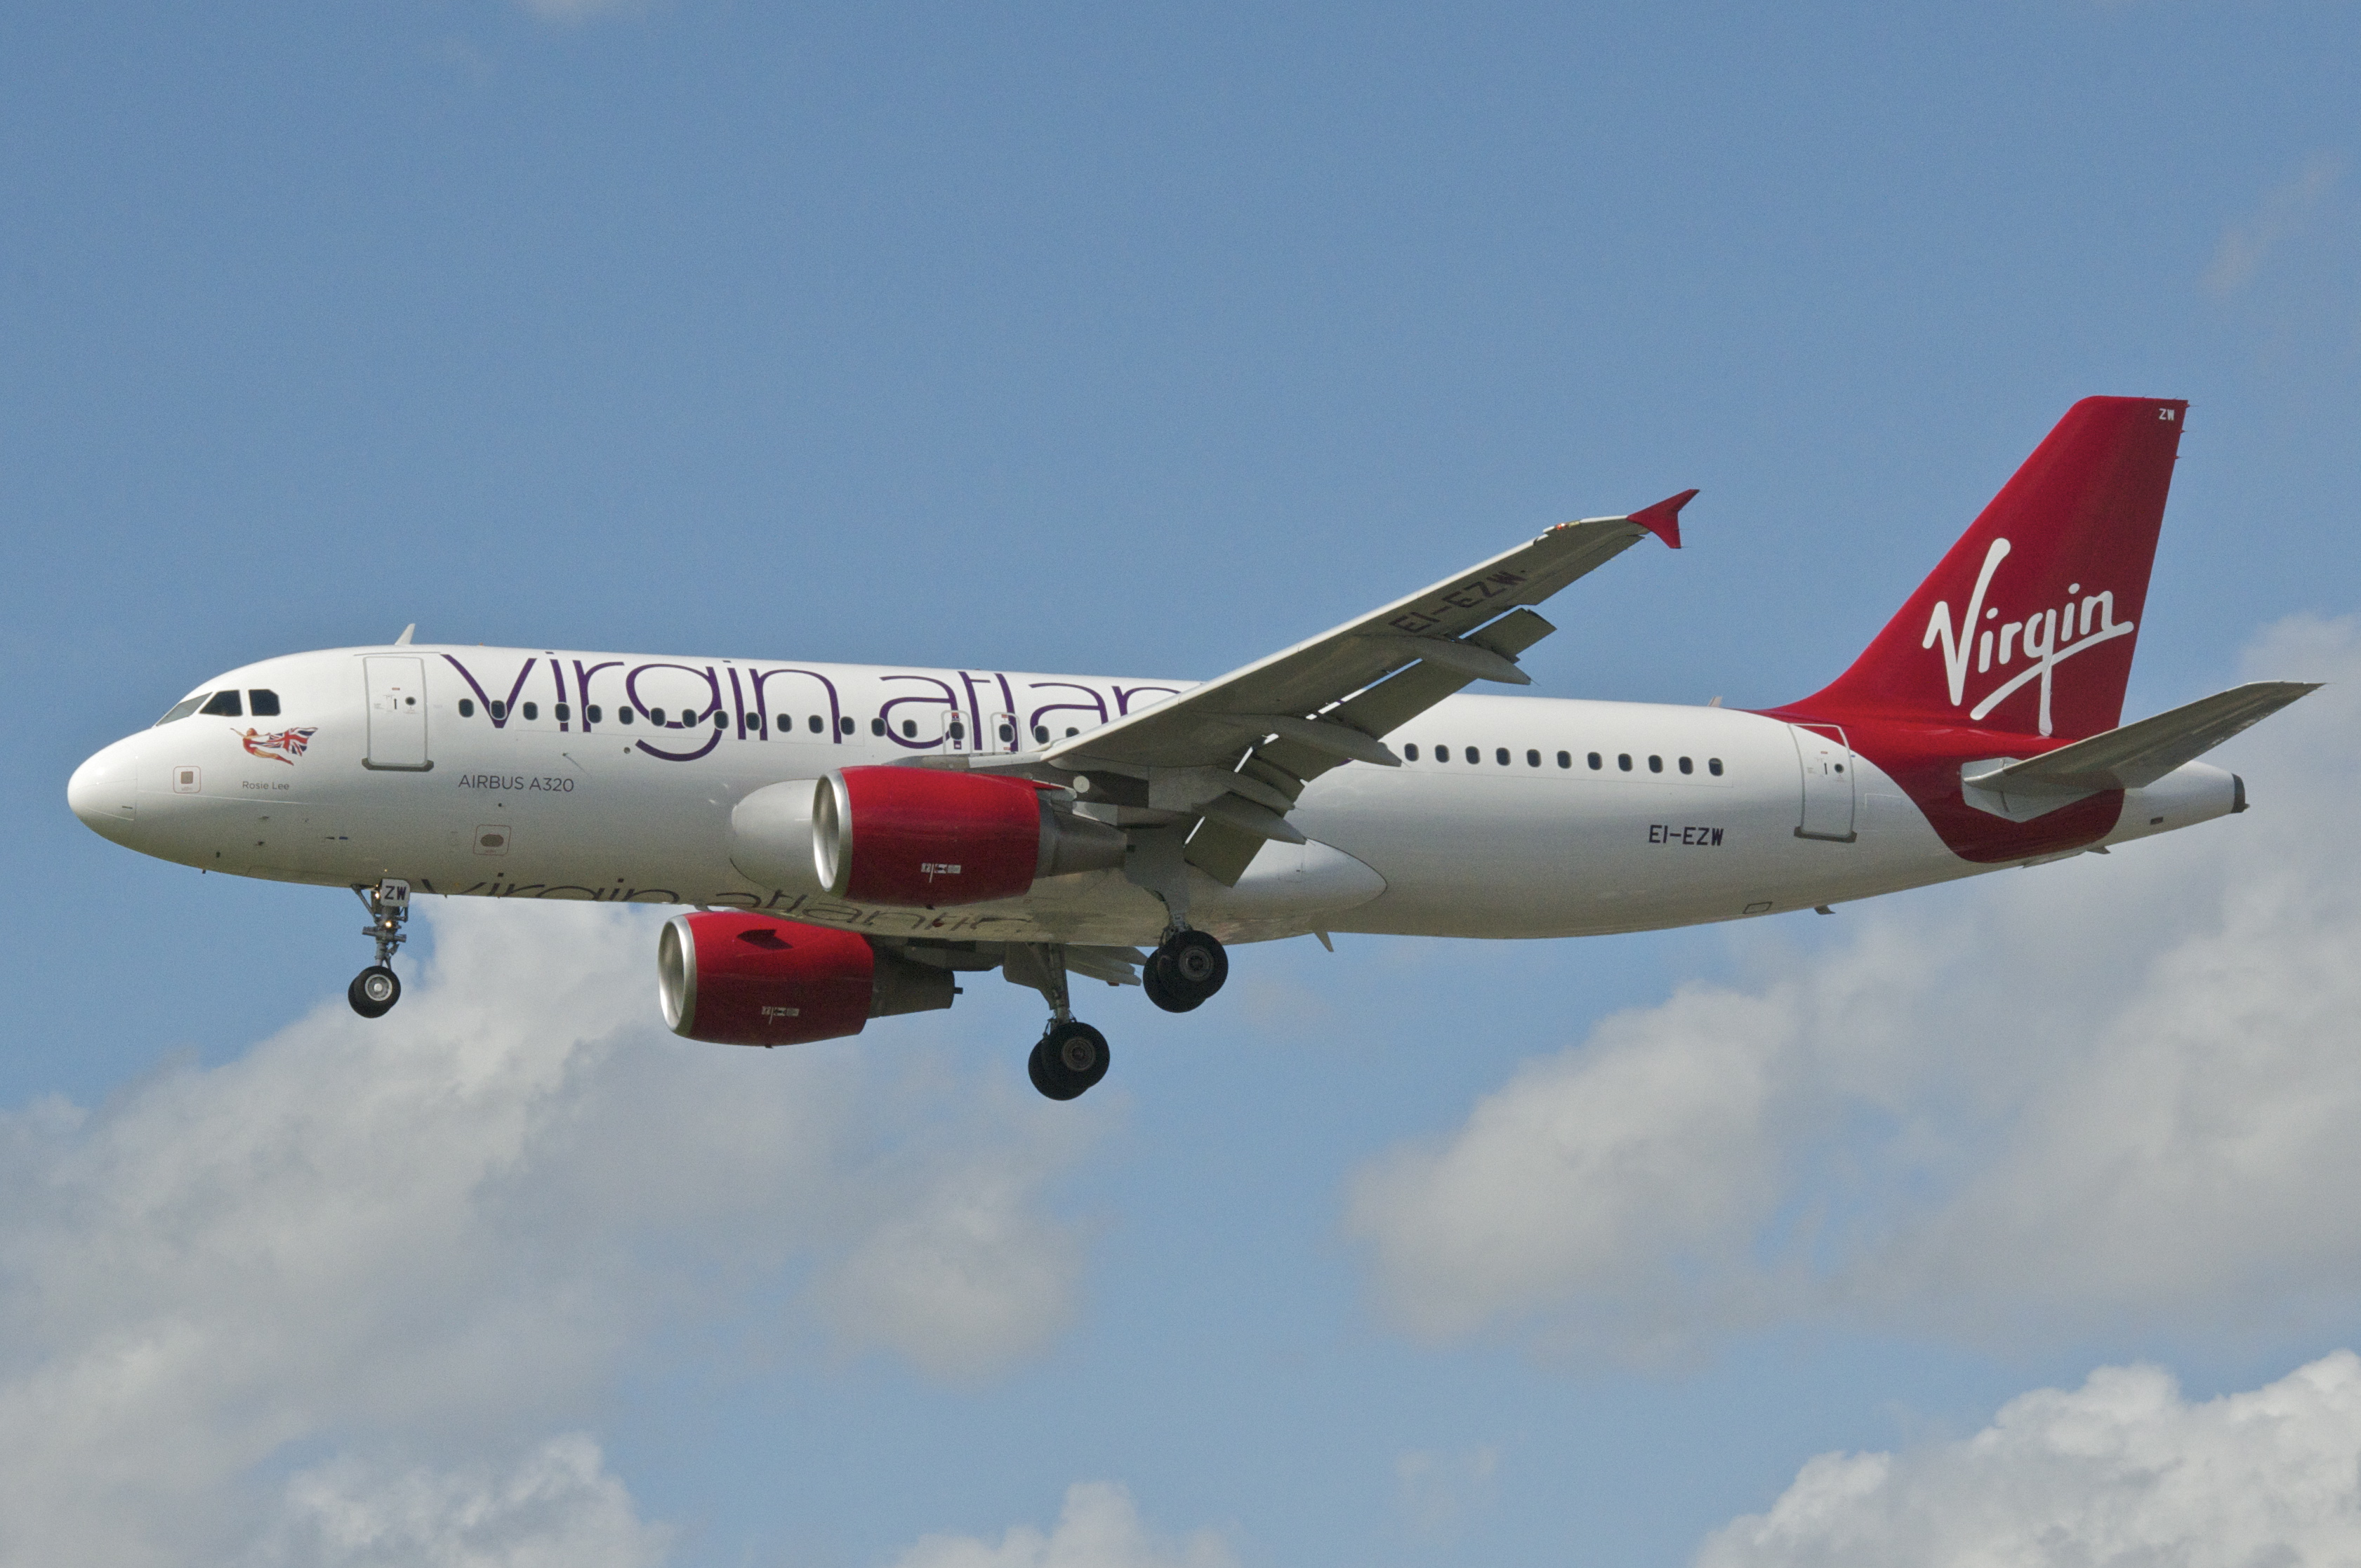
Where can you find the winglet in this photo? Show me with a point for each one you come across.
(403, 640)
(1663, 518)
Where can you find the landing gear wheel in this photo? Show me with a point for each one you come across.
(1069, 1060)
(374, 992)
(1151, 981)
(1185, 971)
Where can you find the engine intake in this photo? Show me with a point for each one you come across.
(925, 836)
(734, 978)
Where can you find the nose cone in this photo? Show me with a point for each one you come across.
(103, 792)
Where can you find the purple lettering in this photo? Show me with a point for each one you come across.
(500, 714)
(1122, 696)
(582, 685)
(950, 699)
(1096, 707)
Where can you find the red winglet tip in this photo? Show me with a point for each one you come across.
(1663, 518)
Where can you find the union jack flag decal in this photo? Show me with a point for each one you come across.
(283, 747)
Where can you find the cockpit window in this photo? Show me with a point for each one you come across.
(224, 706)
(262, 704)
(183, 709)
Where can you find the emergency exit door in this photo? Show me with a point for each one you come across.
(397, 712)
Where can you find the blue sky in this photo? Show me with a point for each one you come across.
(1067, 339)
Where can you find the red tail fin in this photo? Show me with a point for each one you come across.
(2029, 624)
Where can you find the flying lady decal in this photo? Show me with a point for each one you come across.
(283, 747)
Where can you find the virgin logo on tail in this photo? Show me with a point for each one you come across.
(2047, 637)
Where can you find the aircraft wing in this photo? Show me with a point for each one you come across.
(1239, 750)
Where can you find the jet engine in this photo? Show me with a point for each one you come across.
(931, 837)
(747, 980)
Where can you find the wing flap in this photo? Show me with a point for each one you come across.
(1116, 966)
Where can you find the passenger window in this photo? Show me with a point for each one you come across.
(1532, 758)
(591, 715)
(499, 709)
(1594, 763)
(183, 709)
(720, 719)
(564, 714)
(1410, 753)
(655, 716)
(843, 726)
(1687, 766)
(1474, 755)
(958, 732)
(224, 704)
(466, 708)
(1623, 761)
(262, 704)
(533, 710)
(910, 730)
(624, 715)
(1655, 764)
(1442, 753)
(877, 727)
(1565, 759)
(1009, 735)
(1071, 732)
(1713, 766)
(1501, 755)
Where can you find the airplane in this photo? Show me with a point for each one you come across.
(850, 840)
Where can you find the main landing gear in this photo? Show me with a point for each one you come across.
(1070, 1056)
(376, 989)
(1185, 970)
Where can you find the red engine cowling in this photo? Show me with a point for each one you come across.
(747, 979)
(919, 836)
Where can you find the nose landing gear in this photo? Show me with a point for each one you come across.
(376, 989)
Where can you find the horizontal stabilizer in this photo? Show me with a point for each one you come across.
(2138, 754)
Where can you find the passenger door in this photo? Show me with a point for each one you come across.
(397, 712)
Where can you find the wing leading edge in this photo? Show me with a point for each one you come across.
(1237, 752)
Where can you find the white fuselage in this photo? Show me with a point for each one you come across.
(560, 798)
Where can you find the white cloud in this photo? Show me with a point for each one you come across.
(556, 1508)
(2095, 1094)
(1437, 1490)
(2120, 1471)
(1636, 1166)
(967, 1278)
(1099, 1528)
(2286, 211)
(443, 1232)
(581, 10)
